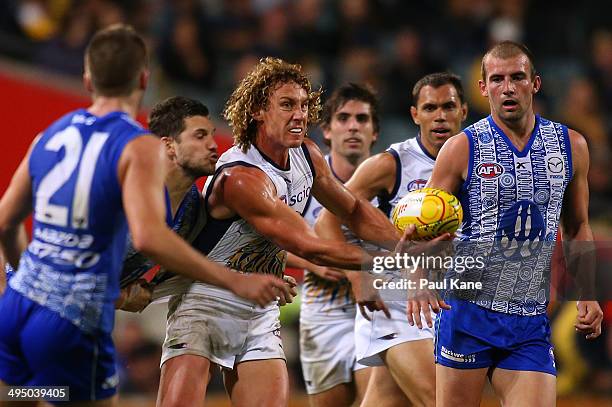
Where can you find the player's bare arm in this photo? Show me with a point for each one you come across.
(273, 219)
(15, 206)
(374, 176)
(327, 273)
(364, 297)
(142, 180)
(449, 171)
(367, 222)
(451, 165)
(575, 220)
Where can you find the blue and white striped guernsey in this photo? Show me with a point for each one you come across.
(512, 204)
(73, 263)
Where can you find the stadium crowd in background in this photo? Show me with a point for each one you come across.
(201, 48)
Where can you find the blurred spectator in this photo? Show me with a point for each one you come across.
(142, 368)
(549, 31)
(243, 67)
(601, 70)
(206, 46)
(273, 32)
(312, 29)
(185, 50)
(581, 111)
(40, 19)
(463, 28)
(357, 24)
(235, 28)
(360, 65)
(138, 358)
(508, 24)
(64, 53)
(407, 66)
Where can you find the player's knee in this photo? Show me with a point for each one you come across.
(421, 392)
(176, 400)
(280, 400)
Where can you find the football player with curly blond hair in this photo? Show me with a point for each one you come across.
(254, 206)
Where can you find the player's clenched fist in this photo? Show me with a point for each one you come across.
(589, 318)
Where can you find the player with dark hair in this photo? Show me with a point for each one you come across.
(407, 351)
(517, 175)
(87, 177)
(350, 125)
(187, 133)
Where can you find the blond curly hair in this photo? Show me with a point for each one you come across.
(253, 94)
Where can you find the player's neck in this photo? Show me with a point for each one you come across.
(517, 129)
(277, 153)
(178, 184)
(431, 149)
(103, 105)
(342, 167)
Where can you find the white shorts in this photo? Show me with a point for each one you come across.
(327, 353)
(221, 330)
(382, 333)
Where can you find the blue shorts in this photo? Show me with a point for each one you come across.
(40, 348)
(471, 337)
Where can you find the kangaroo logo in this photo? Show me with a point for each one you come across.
(521, 231)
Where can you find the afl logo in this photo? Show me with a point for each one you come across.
(416, 184)
(489, 170)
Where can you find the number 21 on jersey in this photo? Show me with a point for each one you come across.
(72, 141)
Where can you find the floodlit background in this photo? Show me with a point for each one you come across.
(201, 48)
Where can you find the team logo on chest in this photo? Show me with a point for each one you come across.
(555, 165)
(489, 170)
(416, 184)
(521, 230)
(300, 196)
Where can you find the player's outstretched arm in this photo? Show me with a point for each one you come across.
(367, 222)
(451, 166)
(449, 171)
(327, 273)
(248, 192)
(374, 176)
(576, 230)
(141, 175)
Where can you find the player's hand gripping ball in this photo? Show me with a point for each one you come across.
(433, 212)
